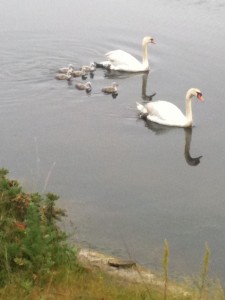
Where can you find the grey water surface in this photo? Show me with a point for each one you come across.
(127, 185)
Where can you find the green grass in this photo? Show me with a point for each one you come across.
(37, 262)
(85, 284)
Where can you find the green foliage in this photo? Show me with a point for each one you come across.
(31, 241)
(35, 244)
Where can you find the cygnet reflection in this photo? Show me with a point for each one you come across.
(112, 74)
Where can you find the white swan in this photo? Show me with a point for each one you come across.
(120, 60)
(166, 113)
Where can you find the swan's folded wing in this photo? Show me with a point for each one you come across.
(120, 57)
(164, 112)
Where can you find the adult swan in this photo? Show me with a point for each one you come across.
(166, 113)
(120, 60)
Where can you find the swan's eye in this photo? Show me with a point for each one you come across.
(199, 94)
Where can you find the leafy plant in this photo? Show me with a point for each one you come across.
(30, 238)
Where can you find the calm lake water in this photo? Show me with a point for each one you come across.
(127, 185)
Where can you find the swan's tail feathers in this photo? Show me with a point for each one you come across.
(103, 65)
(143, 111)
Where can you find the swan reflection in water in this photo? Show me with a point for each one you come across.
(144, 96)
(161, 129)
(192, 161)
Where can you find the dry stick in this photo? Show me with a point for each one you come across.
(165, 267)
(49, 284)
(37, 158)
(48, 176)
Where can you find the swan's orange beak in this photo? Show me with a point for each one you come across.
(200, 97)
(153, 41)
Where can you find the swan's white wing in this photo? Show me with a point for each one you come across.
(122, 59)
(165, 113)
(118, 57)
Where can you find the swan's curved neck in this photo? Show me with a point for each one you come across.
(189, 109)
(145, 55)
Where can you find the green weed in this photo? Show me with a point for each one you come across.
(30, 238)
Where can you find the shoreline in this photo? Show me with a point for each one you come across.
(127, 270)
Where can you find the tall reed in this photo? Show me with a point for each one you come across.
(204, 271)
(165, 267)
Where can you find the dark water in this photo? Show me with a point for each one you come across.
(127, 185)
